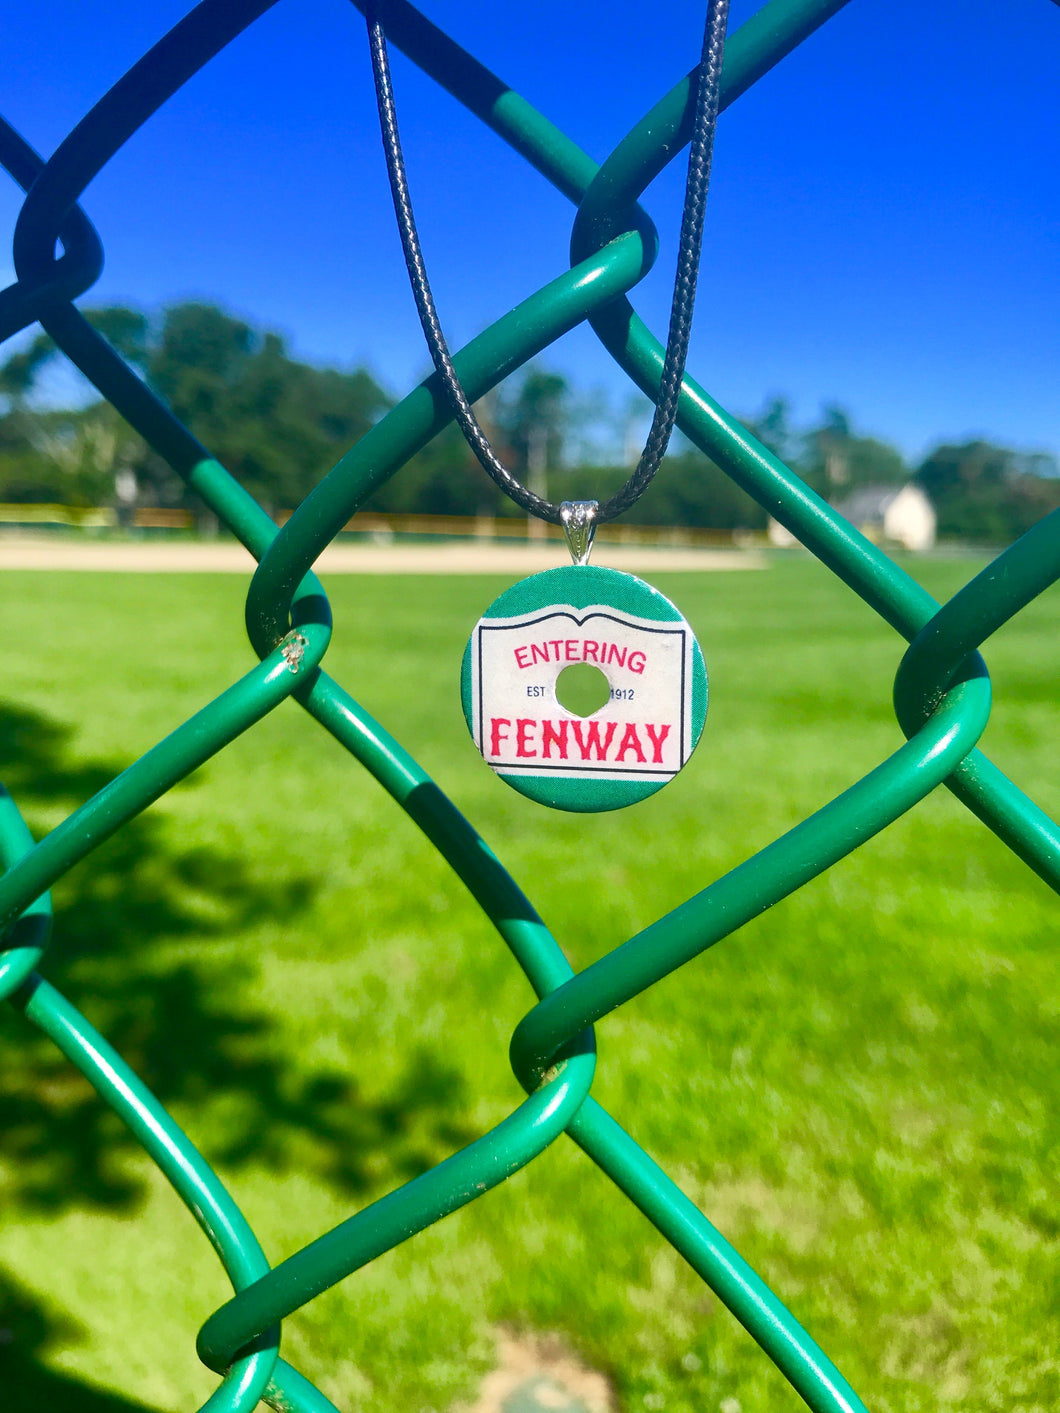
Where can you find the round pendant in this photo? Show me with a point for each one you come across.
(651, 680)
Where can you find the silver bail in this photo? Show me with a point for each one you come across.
(578, 518)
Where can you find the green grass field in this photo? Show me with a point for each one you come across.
(859, 1088)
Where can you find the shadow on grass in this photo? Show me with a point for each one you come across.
(128, 950)
(27, 1334)
(130, 924)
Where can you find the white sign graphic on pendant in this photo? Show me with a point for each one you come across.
(652, 717)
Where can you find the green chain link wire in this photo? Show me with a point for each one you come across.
(942, 696)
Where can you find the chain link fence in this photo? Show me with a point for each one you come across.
(941, 696)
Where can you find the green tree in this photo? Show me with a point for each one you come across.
(527, 423)
(78, 453)
(988, 493)
(690, 489)
(534, 420)
(834, 461)
(276, 423)
(26, 471)
(444, 478)
(772, 427)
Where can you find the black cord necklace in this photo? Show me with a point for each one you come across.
(689, 249)
(640, 731)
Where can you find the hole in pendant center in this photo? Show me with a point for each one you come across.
(582, 689)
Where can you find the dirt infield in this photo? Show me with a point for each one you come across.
(453, 557)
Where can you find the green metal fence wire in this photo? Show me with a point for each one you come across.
(942, 696)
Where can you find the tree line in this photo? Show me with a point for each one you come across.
(278, 424)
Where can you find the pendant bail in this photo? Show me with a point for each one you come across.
(579, 525)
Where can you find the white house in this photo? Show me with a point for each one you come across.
(902, 515)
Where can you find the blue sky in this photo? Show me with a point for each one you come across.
(883, 228)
